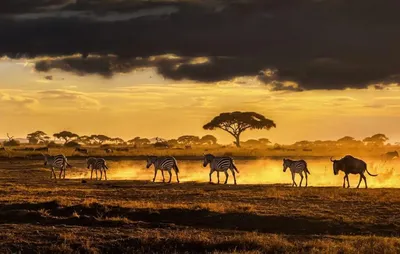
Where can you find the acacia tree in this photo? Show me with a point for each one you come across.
(85, 140)
(264, 141)
(235, 123)
(208, 140)
(36, 137)
(188, 140)
(377, 139)
(117, 141)
(66, 135)
(133, 141)
(100, 139)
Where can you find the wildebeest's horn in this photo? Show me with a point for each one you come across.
(332, 160)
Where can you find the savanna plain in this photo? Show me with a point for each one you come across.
(262, 214)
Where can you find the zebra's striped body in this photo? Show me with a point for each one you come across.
(97, 164)
(58, 161)
(164, 164)
(220, 164)
(296, 167)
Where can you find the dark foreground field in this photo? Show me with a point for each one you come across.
(39, 215)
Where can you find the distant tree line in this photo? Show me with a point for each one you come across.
(234, 123)
(377, 140)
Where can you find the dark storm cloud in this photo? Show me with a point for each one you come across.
(331, 44)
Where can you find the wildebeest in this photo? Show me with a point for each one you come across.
(42, 149)
(81, 150)
(123, 149)
(161, 145)
(24, 149)
(350, 165)
(108, 150)
(391, 155)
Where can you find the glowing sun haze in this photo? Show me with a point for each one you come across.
(145, 104)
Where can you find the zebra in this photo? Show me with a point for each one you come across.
(296, 167)
(220, 164)
(58, 161)
(97, 164)
(164, 164)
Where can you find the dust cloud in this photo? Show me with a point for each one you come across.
(261, 171)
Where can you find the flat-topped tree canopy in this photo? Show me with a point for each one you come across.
(236, 122)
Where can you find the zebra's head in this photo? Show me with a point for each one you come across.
(207, 159)
(286, 164)
(90, 161)
(45, 159)
(150, 160)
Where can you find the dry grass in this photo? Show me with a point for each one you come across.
(39, 215)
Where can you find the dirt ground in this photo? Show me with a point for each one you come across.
(39, 215)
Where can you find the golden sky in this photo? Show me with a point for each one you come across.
(145, 104)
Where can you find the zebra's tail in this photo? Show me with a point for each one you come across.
(307, 171)
(68, 165)
(234, 167)
(176, 166)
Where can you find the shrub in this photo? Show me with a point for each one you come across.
(53, 144)
(11, 142)
(72, 144)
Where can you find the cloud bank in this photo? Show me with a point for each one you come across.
(324, 44)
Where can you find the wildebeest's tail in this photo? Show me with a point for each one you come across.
(234, 167)
(368, 171)
(176, 166)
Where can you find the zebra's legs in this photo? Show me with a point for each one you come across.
(177, 178)
(306, 179)
(211, 171)
(65, 167)
(234, 175)
(218, 176)
(155, 175)
(293, 179)
(96, 174)
(101, 174)
(163, 178)
(61, 170)
(301, 175)
(53, 173)
(170, 176)
(105, 175)
(226, 176)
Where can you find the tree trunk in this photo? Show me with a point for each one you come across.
(237, 140)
